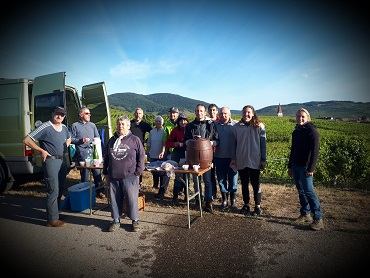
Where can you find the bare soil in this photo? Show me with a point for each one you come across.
(230, 244)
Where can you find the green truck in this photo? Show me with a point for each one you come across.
(25, 103)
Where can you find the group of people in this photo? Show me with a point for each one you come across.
(239, 151)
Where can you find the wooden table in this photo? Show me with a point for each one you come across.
(198, 173)
(90, 168)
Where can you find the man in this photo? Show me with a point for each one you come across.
(227, 178)
(139, 128)
(167, 128)
(83, 134)
(54, 138)
(203, 128)
(213, 116)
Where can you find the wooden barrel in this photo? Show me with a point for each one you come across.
(199, 152)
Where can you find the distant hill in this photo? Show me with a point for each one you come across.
(160, 103)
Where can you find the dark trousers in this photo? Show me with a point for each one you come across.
(252, 175)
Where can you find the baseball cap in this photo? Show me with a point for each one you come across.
(173, 110)
(59, 110)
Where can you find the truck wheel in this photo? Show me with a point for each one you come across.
(5, 182)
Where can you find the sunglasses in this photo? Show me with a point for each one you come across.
(87, 113)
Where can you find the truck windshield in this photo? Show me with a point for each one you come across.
(44, 104)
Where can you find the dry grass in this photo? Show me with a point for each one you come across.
(344, 210)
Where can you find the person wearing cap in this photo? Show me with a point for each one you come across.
(54, 138)
(203, 128)
(176, 142)
(168, 127)
(83, 133)
(156, 148)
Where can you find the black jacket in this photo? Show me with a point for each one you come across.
(305, 146)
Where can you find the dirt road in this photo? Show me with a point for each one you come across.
(215, 246)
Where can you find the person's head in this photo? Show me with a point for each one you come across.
(213, 111)
(58, 114)
(249, 115)
(302, 116)
(200, 112)
(158, 121)
(182, 120)
(174, 113)
(139, 113)
(225, 115)
(123, 125)
(84, 114)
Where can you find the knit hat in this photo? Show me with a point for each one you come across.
(182, 116)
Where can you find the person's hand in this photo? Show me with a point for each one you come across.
(263, 165)
(309, 174)
(44, 154)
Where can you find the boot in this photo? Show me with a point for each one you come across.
(160, 194)
(233, 201)
(224, 196)
(175, 198)
(208, 207)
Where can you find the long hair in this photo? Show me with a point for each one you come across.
(255, 120)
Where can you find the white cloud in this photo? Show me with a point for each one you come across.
(310, 73)
(131, 69)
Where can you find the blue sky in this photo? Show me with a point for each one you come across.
(231, 53)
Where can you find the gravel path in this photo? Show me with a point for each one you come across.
(218, 245)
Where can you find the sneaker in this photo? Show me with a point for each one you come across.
(304, 219)
(245, 210)
(257, 211)
(317, 225)
(114, 226)
(135, 225)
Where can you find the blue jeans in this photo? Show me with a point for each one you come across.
(307, 196)
(226, 177)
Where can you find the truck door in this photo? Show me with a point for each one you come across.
(95, 97)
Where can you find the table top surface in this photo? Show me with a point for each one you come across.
(201, 171)
(79, 167)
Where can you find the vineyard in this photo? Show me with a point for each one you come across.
(344, 150)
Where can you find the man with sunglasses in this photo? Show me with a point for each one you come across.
(54, 138)
(83, 134)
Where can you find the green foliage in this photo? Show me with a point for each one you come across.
(344, 156)
(344, 160)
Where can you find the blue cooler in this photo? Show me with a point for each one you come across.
(79, 195)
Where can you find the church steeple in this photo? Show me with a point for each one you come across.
(280, 111)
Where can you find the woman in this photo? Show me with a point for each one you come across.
(156, 150)
(124, 162)
(249, 156)
(303, 158)
(176, 141)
